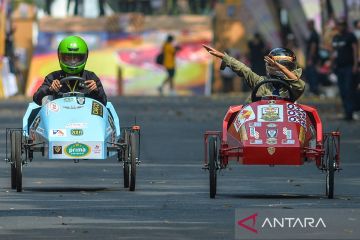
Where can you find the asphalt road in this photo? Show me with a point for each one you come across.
(86, 200)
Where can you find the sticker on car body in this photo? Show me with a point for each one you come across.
(76, 132)
(246, 114)
(77, 150)
(256, 141)
(296, 114)
(287, 133)
(288, 141)
(270, 113)
(58, 133)
(76, 125)
(53, 107)
(253, 133)
(97, 109)
(57, 149)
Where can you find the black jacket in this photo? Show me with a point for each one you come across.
(44, 90)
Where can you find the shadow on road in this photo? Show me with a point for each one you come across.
(66, 189)
(272, 196)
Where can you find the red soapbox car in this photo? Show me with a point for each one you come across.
(272, 131)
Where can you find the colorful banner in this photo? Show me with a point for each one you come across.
(125, 62)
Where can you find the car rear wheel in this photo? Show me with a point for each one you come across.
(212, 150)
(13, 176)
(17, 161)
(134, 157)
(125, 159)
(12, 158)
(330, 154)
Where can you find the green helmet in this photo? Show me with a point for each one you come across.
(72, 54)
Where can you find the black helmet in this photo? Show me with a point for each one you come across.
(285, 57)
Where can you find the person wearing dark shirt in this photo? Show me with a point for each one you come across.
(312, 49)
(345, 49)
(72, 54)
(257, 51)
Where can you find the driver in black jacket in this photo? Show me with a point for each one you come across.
(72, 54)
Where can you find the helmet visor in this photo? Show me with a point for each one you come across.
(72, 59)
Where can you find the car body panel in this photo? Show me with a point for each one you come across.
(73, 128)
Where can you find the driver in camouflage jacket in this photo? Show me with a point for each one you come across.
(280, 64)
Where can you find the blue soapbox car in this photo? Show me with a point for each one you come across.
(72, 127)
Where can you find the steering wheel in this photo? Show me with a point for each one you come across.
(81, 82)
(283, 84)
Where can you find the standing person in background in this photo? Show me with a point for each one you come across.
(345, 63)
(312, 49)
(257, 51)
(169, 51)
(357, 77)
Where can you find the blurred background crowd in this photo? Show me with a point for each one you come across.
(125, 36)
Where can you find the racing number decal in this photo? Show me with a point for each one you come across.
(97, 109)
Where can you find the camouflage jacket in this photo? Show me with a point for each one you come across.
(251, 78)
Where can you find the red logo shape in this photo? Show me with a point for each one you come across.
(241, 223)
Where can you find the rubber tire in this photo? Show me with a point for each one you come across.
(330, 169)
(12, 158)
(16, 139)
(212, 150)
(126, 160)
(134, 157)
(13, 176)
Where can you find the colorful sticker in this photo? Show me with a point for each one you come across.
(57, 149)
(97, 109)
(77, 150)
(80, 100)
(271, 141)
(271, 150)
(256, 141)
(254, 133)
(246, 114)
(53, 107)
(270, 113)
(76, 132)
(255, 124)
(97, 149)
(73, 107)
(287, 133)
(76, 125)
(58, 133)
(271, 132)
(69, 99)
(288, 141)
(296, 114)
